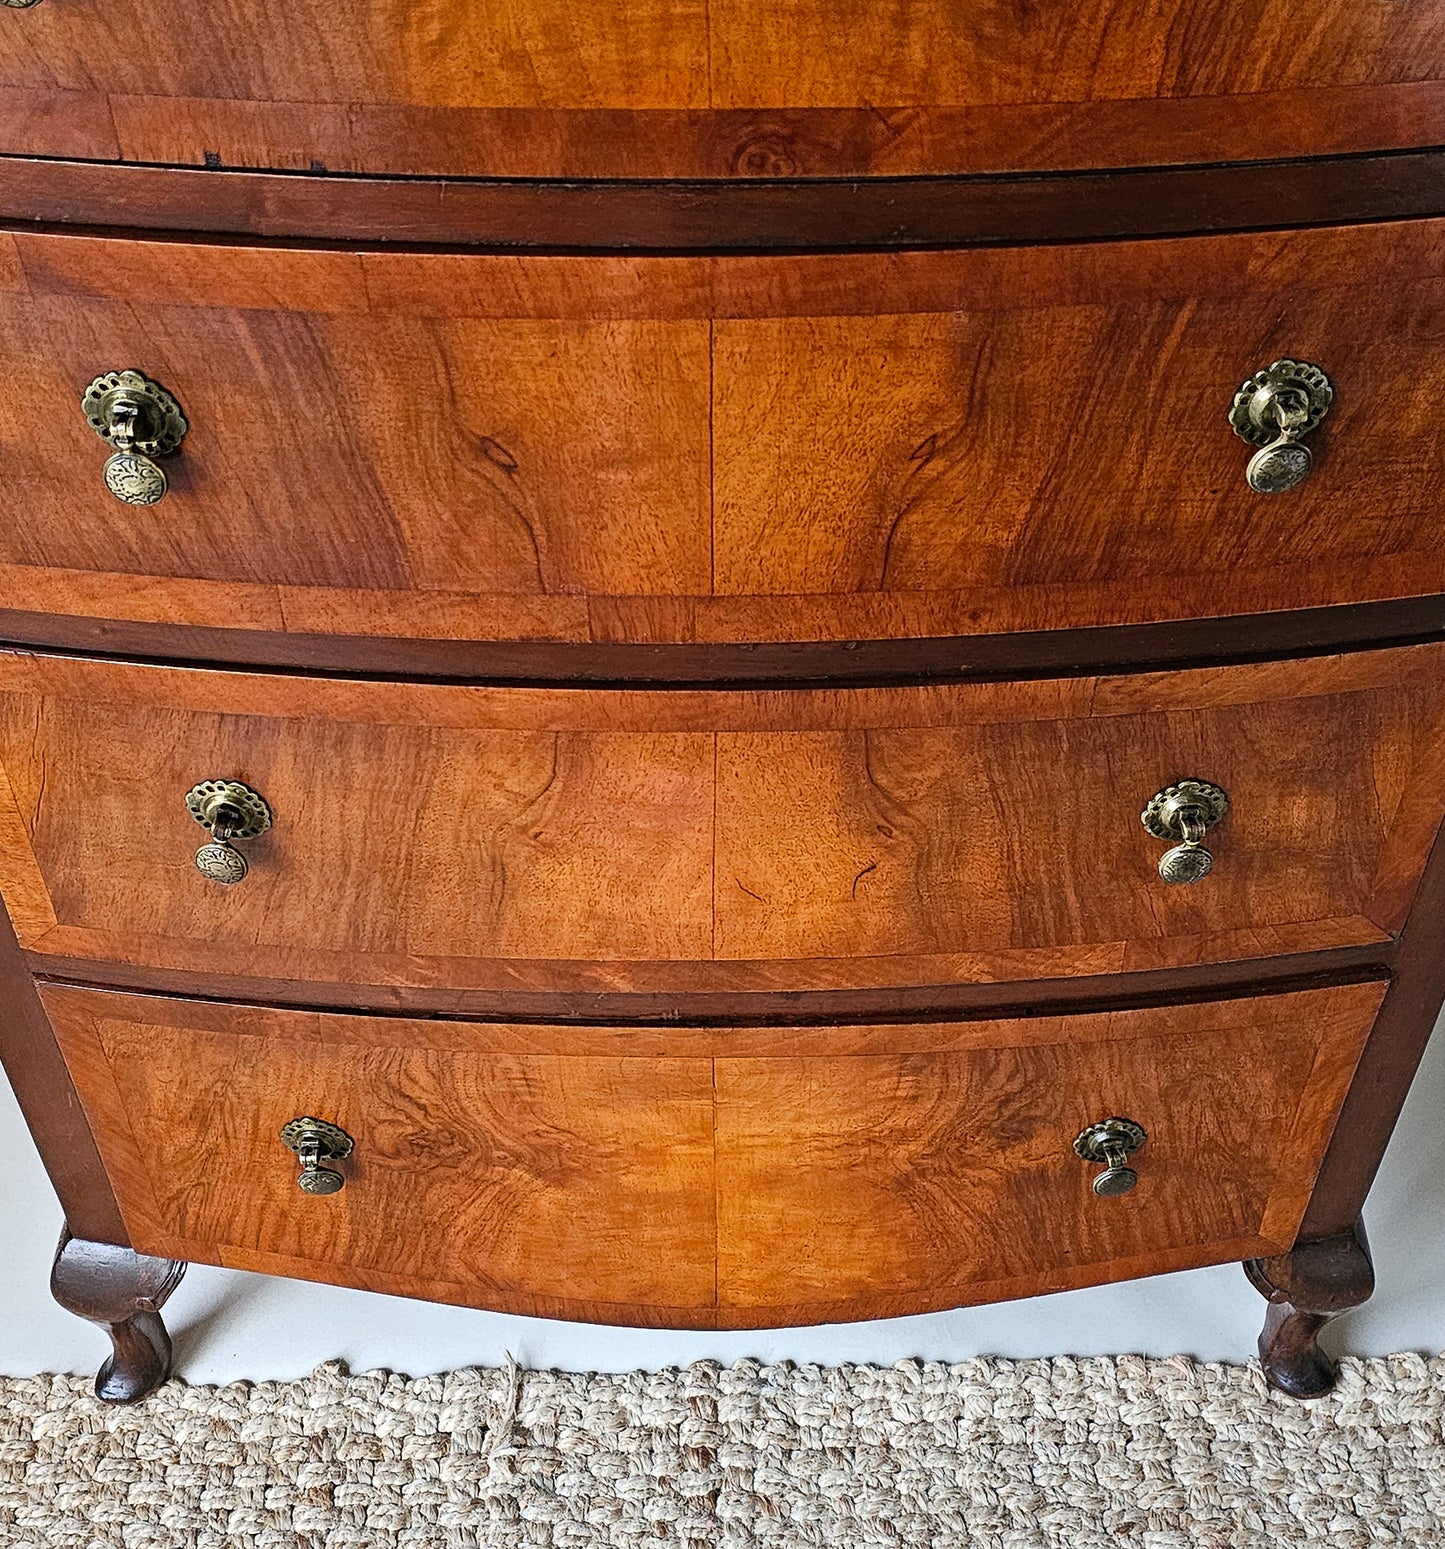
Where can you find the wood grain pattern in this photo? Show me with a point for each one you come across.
(1407, 1019)
(621, 841)
(593, 1173)
(893, 1174)
(523, 1173)
(718, 88)
(1308, 1288)
(610, 214)
(38, 1077)
(759, 994)
(1187, 643)
(123, 1292)
(830, 448)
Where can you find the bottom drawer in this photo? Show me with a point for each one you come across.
(713, 1177)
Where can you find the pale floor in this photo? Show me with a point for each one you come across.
(229, 1325)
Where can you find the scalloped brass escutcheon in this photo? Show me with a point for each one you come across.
(1185, 811)
(317, 1142)
(230, 811)
(142, 421)
(1274, 410)
(1111, 1142)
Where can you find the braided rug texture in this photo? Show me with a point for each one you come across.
(1123, 1453)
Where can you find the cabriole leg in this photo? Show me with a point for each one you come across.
(1306, 1288)
(124, 1292)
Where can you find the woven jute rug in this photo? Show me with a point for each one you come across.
(1090, 1454)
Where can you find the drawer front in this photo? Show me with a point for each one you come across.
(713, 1178)
(441, 839)
(846, 447)
(718, 89)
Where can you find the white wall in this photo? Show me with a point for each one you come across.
(229, 1325)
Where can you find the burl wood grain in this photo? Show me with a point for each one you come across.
(625, 841)
(712, 1178)
(717, 88)
(837, 447)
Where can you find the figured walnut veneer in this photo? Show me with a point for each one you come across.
(716, 88)
(706, 643)
(706, 841)
(712, 1178)
(796, 448)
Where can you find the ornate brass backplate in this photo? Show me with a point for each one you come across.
(316, 1142)
(1274, 410)
(231, 811)
(1111, 1142)
(228, 804)
(1185, 811)
(142, 421)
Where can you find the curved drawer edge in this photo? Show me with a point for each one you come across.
(727, 215)
(1174, 644)
(731, 1008)
(647, 1181)
(704, 1318)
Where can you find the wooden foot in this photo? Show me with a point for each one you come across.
(123, 1291)
(1306, 1288)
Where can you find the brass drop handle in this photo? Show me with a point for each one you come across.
(1111, 1142)
(1275, 410)
(315, 1143)
(231, 811)
(141, 420)
(1185, 811)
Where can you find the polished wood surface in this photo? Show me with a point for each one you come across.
(1307, 1288)
(716, 88)
(123, 1291)
(700, 1178)
(1206, 642)
(764, 994)
(615, 841)
(520, 1175)
(896, 1173)
(654, 450)
(1402, 1031)
(37, 1075)
(707, 546)
(608, 214)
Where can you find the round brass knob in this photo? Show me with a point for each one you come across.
(1274, 410)
(1112, 1142)
(231, 811)
(1185, 811)
(316, 1142)
(141, 420)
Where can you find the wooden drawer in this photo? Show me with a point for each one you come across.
(829, 447)
(437, 840)
(663, 88)
(728, 1177)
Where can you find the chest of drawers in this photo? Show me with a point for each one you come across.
(672, 547)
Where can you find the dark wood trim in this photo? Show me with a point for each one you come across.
(1121, 648)
(1387, 1067)
(37, 1071)
(1307, 1288)
(123, 1292)
(725, 215)
(755, 1008)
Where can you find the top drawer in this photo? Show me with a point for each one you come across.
(833, 447)
(715, 88)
